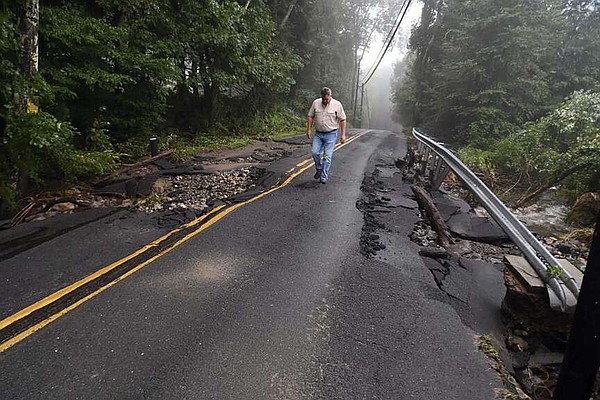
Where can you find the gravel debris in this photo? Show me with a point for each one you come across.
(196, 192)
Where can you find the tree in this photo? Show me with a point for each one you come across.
(483, 68)
(30, 15)
(235, 58)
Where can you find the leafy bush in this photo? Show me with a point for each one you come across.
(489, 126)
(41, 147)
(563, 146)
(273, 125)
(480, 160)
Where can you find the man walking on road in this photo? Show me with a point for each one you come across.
(328, 116)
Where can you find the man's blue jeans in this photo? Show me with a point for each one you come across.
(323, 143)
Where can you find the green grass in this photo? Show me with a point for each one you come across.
(239, 134)
(233, 135)
(486, 346)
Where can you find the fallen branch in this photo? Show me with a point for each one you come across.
(437, 222)
(129, 167)
(165, 153)
(525, 200)
(432, 252)
(43, 200)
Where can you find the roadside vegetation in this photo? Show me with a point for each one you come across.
(84, 85)
(514, 87)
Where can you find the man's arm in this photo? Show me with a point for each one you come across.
(309, 131)
(343, 125)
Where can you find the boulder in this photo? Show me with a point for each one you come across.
(585, 210)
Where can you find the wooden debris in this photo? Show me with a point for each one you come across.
(129, 167)
(165, 153)
(437, 222)
(433, 252)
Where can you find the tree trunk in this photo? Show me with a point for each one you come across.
(194, 76)
(582, 358)
(30, 16)
(437, 222)
(553, 182)
(29, 36)
(287, 15)
(211, 99)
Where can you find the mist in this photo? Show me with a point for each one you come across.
(377, 104)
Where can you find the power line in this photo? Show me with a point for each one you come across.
(389, 42)
(388, 36)
(357, 73)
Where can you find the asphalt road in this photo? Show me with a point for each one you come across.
(274, 301)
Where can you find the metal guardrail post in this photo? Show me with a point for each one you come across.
(425, 153)
(440, 176)
(519, 234)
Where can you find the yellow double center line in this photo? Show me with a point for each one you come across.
(20, 325)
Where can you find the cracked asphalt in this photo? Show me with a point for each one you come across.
(312, 292)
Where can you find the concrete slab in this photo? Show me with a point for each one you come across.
(387, 172)
(545, 359)
(486, 293)
(457, 282)
(529, 277)
(572, 270)
(400, 201)
(448, 205)
(525, 273)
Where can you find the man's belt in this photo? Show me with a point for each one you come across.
(333, 130)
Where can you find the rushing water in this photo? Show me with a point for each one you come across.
(544, 219)
(546, 216)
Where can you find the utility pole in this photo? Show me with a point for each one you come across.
(362, 94)
(355, 94)
(582, 358)
(368, 107)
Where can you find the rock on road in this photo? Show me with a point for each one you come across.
(274, 301)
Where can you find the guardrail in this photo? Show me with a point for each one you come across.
(538, 256)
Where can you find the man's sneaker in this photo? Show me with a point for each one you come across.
(317, 174)
(323, 181)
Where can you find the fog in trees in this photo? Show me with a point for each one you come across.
(377, 111)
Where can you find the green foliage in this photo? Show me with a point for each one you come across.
(567, 138)
(491, 76)
(9, 77)
(551, 149)
(114, 72)
(404, 87)
(261, 127)
(480, 160)
(237, 58)
(41, 146)
(105, 70)
(554, 271)
(274, 125)
(489, 125)
(483, 69)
